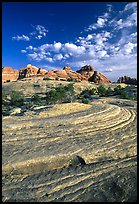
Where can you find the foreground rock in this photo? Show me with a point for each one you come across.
(36, 157)
(9, 74)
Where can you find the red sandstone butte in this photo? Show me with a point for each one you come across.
(9, 74)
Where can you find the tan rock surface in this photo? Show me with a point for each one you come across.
(37, 149)
(9, 74)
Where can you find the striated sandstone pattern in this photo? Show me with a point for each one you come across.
(38, 146)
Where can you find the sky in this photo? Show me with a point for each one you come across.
(52, 35)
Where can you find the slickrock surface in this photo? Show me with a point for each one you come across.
(38, 147)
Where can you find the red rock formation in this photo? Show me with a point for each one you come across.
(28, 71)
(87, 71)
(98, 77)
(9, 74)
(61, 74)
(51, 74)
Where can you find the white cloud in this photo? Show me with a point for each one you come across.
(22, 37)
(58, 57)
(41, 30)
(23, 51)
(38, 37)
(29, 47)
(89, 37)
(57, 47)
(49, 59)
(129, 6)
(108, 70)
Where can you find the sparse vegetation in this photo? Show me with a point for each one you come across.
(86, 101)
(17, 99)
(60, 94)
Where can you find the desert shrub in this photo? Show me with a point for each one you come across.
(86, 101)
(16, 98)
(126, 96)
(102, 90)
(60, 94)
(35, 97)
(118, 90)
(109, 92)
(85, 93)
(71, 79)
(36, 85)
(46, 78)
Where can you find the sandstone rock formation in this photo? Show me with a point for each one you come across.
(9, 74)
(87, 71)
(98, 77)
(28, 71)
(66, 73)
(93, 76)
(127, 80)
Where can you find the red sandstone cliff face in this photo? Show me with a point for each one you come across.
(9, 74)
(98, 77)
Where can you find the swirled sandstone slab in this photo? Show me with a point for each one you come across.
(37, 149)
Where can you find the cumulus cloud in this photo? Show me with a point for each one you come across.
(23, 51)
(22, 37)
(58, 57)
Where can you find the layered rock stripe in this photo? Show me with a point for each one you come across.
(37, 149)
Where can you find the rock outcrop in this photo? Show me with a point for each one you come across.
(29, 71)
(9, 74)
(127, 80)
(86, 71)
(98, 77)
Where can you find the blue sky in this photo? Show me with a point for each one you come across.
(56, 34)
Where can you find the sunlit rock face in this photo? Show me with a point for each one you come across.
(9, 74)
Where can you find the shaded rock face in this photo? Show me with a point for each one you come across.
(9, 74)
(127, 80)
(87, 71)
(98, 77)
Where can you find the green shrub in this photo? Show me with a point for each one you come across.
(86, 101)
(71, 79)
(102, 90)
(36, 85)
(60, 94)
(16, 98)
(118, 90)
(35, 97)
(109, 92)
(46, 78)
(126, 96)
